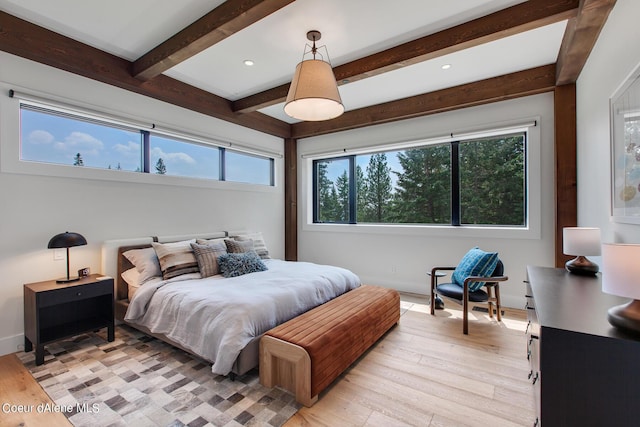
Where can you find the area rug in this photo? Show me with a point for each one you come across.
(137, 381)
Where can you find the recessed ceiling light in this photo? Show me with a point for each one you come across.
(248, 62)
(446, 66)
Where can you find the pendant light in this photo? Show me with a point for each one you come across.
(313, 94)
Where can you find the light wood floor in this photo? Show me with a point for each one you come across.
(17, 387)
(424, 372)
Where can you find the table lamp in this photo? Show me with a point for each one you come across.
(66, 240)
(621, 276)
(581, 242)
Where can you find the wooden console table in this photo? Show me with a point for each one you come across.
(585, 371)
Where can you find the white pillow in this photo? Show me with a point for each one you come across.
(132, 278)
(146, 262)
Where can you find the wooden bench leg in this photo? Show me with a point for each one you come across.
(288, 366)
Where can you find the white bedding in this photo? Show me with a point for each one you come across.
(217, 317)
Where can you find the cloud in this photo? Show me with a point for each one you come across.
(172, 158)
(40, 137)
(128, 149)
(82, 143)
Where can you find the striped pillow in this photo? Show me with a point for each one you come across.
(258, 243)
(207, 257)
(476, 262)
(176, 258)
(237, 247)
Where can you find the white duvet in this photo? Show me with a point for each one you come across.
(217, 317)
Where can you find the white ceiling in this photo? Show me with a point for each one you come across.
(350, 29)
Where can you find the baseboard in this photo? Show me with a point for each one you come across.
(11, 344)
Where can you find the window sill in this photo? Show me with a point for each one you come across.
(428, 230)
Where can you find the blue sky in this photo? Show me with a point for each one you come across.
(55, 139)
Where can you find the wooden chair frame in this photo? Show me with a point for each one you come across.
(490, 282)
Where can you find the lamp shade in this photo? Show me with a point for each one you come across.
(313, 94)
(66, 240)
(583, 241)
(621, 270)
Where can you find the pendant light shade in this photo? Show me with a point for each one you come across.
(313, 94)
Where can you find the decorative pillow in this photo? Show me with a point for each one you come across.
(476, 262)
(233, 265)
(236, 247)
(146, 262)
(258, 243)
(207, 257)
(176, 258)
(210, 241)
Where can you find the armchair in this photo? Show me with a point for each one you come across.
(464, 294)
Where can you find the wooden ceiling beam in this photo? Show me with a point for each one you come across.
(36, 43)
(509, 86)
(506, 22)
(580, 37)
(225, 20)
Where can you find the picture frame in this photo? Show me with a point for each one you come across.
(625, 150)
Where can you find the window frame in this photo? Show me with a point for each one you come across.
(11, 162)
(533, 229)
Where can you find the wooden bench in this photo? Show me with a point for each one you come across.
(305, 354)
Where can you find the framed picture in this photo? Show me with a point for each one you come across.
(625, 150)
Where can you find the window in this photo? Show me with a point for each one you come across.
(57, 136)
(478, 181)
(169, 156)
(240, 167)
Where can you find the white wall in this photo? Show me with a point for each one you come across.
(613, 58)
(33, 208)
(399, 257)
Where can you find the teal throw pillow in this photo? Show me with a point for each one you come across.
(476, 262)
(233, 265)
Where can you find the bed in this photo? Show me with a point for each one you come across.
(218, 319)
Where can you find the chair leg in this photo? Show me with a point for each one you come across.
(498, 308)
(465, 308)
(490, 301)
(433, 296)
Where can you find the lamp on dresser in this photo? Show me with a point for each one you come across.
(621, 277)
(581, 242)
(66, 240)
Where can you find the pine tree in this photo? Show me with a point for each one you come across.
(326, 193)
(161, 169)
(361, 195)
(77, 160)
(423, 189)
(342, 197)
(492, 186)
(379, 189)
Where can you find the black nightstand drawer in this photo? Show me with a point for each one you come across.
(74, 293)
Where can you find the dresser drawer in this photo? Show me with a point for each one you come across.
(75, 293)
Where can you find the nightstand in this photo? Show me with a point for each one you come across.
(53, 311)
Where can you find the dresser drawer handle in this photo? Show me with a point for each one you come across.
(79, 294)
(530, 374)
(527, 328)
